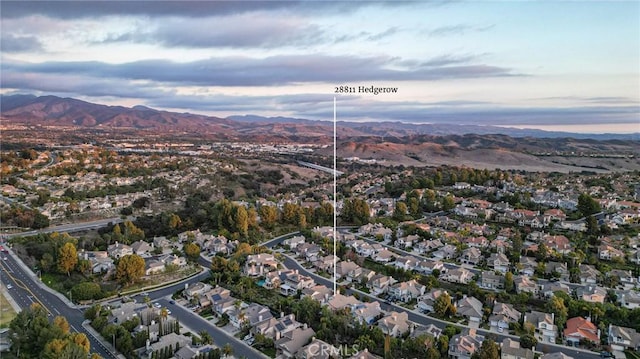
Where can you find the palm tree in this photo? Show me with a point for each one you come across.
(227, 349)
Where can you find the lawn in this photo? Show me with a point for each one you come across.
(6, 312)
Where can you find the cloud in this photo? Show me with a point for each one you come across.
(191, 9)
(270, 71)
(460, 29)
(18, 43)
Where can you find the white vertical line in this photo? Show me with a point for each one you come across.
(335, 208)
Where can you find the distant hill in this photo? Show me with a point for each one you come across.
(390, 142)
(57, 111)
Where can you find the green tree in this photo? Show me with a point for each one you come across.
(130, 268)
(448, 203)
(192, 251)
(557, 305)
(67, 258)
(242, 221)
(508, 282)
(587, 205)
(442, 306)
(528, 341)
(268, 216)
(488, 350)
(86, 291)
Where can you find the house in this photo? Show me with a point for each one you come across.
(591, 294)
(318, 292)
(558, 243)
(318, 349)
(470, 308)
(629, 299)
(361, 275)
(625, 277)
(491, 280)
(446, 252)
(348, 269)
(457, 275)
(510, 349)
(407, 242)
(339, 302)
(471, 256)
(548, 289)
(578, 329)
(463, 345)
(380, 284)
(503, 314)
(326, 263)
(276, 328)
(259, 264)
(172, 340)
(196, 289)
(255, 314)
(477, 242)
(499, 262)
(364, 354)
(406, 262)
(608, 252)
(407, 291)
(294, 241)
(621, 338)
(383, 256)
(545, 329)
(310, 251)
(119, 250)
(394, 324)
(527, 266)
(430, 330)
(425, 302)
(367, 313)
(220, 299)
(154, 266)
(589, 274)
(293, 341)
(557, 270)
(293, 282)
(142, 248)
(428, 266)
(525, 284)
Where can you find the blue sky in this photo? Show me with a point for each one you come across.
(571, 65)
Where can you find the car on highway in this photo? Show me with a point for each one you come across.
(172, 302)
(157, 305)
(9, 286)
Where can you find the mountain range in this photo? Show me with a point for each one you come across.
(57, 111)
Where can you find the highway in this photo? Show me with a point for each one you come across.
(26, 291)
(69, 228)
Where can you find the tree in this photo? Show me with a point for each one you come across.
(268, 216)
(61, 322)
(448, 203)
(67, 258)
(400, 212)
(86, 291)
(528, 341)
(488, 350)
(557, 305)
(242, 221)
(192, 251)
(508, 282)
(442, 306)
(130, 268)
(587, 205)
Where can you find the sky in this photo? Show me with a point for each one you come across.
(559, 65)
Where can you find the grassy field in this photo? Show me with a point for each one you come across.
(6, 312)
